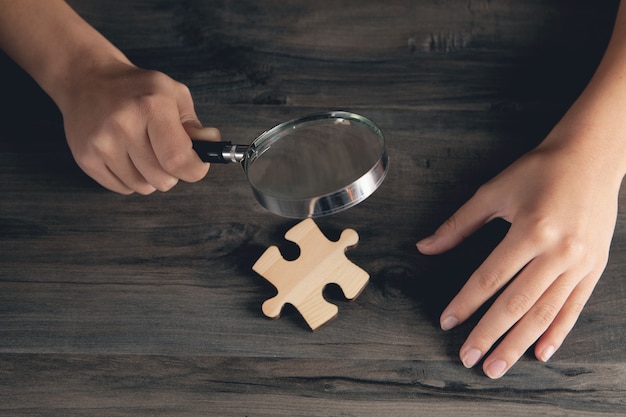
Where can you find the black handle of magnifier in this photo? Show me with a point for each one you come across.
(219, 152)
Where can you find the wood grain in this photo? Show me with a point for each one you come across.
(128, 305)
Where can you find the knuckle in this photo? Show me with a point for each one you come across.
(156, 85)
(483, 192)
(155, 79)
(93, 150)
(104, 146)
(517, 305)
(490, 281)
(173, 162)
(117, 122)
(543, 231)
(182, 89)
(148, 104)
(86, 159)
(568, 244)
(179, 165)
(572, 247)
(545, 313)
(451, 224)
(575, 307)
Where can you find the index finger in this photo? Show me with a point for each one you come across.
(470, 217)
(173, 147)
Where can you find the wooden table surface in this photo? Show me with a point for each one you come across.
(117, 305)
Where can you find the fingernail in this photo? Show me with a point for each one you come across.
(426, 241)
(471, 357)
(449, 323)
(547, 353)
(496, 369)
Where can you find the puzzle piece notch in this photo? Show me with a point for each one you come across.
(301, 282)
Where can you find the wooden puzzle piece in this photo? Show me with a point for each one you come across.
(301, 282)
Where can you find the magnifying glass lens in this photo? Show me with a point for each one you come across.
(315, 160)
(309, 167)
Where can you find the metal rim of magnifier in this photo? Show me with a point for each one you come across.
(335, 201)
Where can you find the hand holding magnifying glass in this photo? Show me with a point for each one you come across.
(309, 167)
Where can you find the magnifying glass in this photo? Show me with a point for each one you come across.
(309, 167)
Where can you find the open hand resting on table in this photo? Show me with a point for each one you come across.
(561, 201)
(128, 128)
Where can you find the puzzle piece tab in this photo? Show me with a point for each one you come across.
(301, 282)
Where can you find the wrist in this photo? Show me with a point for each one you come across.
(591, 145)
(80, 69)
(53, 44)
(594, 128)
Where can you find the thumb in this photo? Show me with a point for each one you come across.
(196, 131)
(469, 218)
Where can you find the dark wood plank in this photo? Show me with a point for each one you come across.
(113, 305)
(168, 385)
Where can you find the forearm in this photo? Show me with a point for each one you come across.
(52, 43)
(595, 125)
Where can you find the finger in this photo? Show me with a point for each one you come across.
(190, 121)
(146, 163)
(103, 175)
(509, 308)
(553, 338)
(530, 327)
(197, 132)
(124, 169)
(110, 166)
(475, 213)
(504, 262)
(173, 148)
